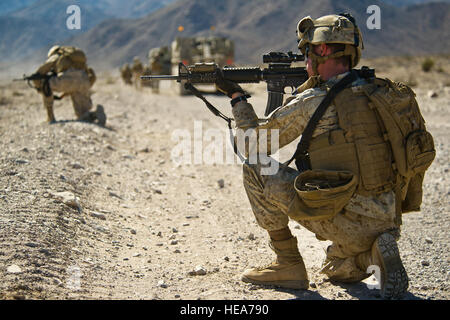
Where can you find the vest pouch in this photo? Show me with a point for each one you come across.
(321, 194)
(413, 198)
(91, 75)
(330, 151)
(420, 151)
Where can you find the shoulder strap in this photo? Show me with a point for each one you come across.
(301, 154)
(194, 90)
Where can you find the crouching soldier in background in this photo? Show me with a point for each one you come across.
(70, 75)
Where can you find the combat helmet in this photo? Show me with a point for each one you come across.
(154, 53)
(339, 29)
(53, 50)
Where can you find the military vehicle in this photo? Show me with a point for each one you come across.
(201, 49)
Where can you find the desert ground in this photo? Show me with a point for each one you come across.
(88, 212)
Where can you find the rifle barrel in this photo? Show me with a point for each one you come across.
(162, 77)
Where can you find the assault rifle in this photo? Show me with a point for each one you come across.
(34, 76)
(279, 75)
(45, 86)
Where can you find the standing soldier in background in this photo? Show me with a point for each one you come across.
(160, 63)
(71, 76)
(126, 74)
(147, 72)
(138, 69)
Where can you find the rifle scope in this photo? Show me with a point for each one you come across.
(281, 57)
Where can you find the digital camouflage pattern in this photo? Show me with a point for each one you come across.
(76, 84)
(330, 29)
(355, 229)
(72, 78)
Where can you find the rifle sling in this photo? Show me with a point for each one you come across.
(46, 87)
(213, 109)
(301, 153)
(195, 92)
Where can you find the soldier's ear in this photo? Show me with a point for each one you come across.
(324, 50)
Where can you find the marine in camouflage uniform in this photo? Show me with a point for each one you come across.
(147, 72)
(72, 77)
(159, 64)
(364, 232)
(138, 69)
(126, 74)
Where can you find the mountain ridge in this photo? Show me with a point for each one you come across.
(41, 23)
(258, 26)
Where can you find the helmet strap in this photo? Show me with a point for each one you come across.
(316, 59)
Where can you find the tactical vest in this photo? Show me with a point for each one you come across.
(357, 146)
(381, 139)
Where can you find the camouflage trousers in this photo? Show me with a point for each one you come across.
(74, 83)
(351, 233)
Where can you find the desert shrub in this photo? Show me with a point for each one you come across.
(427, 64)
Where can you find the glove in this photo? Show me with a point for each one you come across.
(228, 87)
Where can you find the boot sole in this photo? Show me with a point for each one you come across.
(101, 116)
(290, 284)
(394, 280)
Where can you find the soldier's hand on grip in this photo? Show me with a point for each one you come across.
(227, 87)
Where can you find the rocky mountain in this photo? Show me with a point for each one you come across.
(130, 8)
(40, 23)
(405, 3)
(112, 8)
(258, 26)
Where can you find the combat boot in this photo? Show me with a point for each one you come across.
(288, 271)
(385, 255)
(100, 115)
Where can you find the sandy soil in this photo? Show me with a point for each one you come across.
(106, 213)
